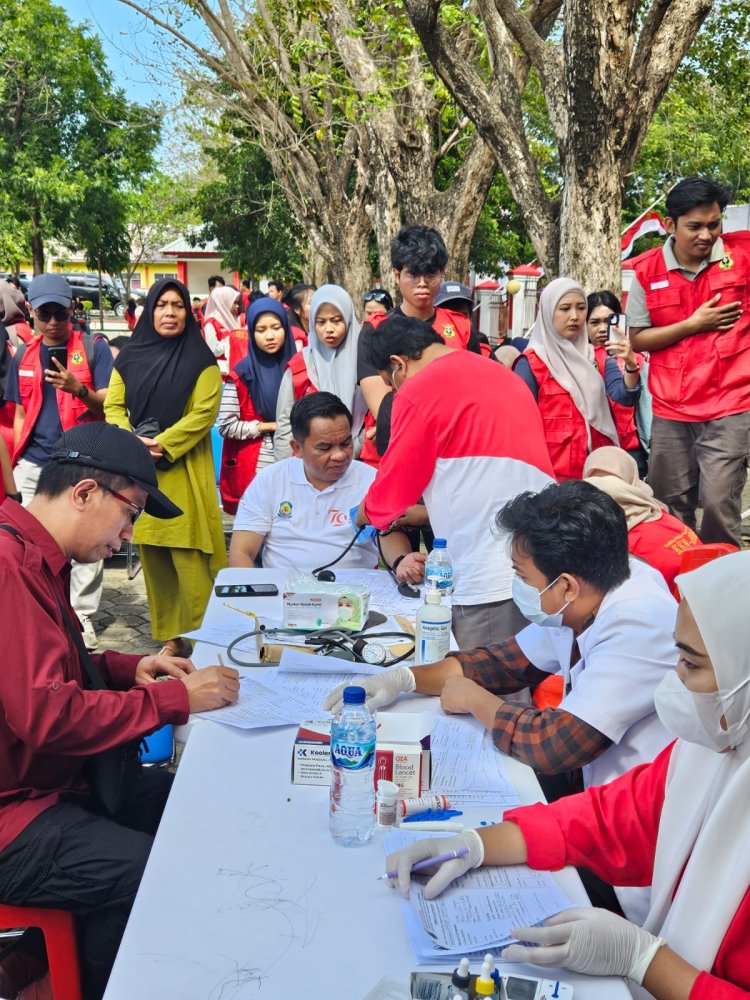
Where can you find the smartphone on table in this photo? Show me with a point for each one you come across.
(246, 590)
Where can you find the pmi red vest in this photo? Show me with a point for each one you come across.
(705, 376)
(661, 544)
(239, 459)
(564, 426)
(72, 410)
(623, 416)
(453, 327)
(301, 383)
(238, 346)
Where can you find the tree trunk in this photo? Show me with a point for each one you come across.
(101, 294)
(37, 245)
(590, 214)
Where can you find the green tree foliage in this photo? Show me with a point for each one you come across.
(69, 140)
(703, 123)
(245, 210)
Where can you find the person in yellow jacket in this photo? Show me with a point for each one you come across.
(166, 387)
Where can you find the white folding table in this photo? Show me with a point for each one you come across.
(245, 894)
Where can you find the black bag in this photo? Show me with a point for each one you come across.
(149, 428)
(111, 774)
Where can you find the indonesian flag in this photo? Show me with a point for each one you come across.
(649, 222)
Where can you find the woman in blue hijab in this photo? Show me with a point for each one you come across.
(247, 417)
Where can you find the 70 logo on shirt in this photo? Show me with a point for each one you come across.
(337, 518)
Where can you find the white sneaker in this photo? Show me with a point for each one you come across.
(90, 640)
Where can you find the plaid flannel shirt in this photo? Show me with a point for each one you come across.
(551, 741)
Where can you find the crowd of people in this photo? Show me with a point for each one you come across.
(567, 479)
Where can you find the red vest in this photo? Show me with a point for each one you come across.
(705, 376)
(564, 426)
(238, 346)
(72, 410)
(300, 337)
(453, 327)
(301, 383)
(623, 416)
(239, 459)
(661, 544)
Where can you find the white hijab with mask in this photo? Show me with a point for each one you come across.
(703, 846)
(335, 369)
(572, 362)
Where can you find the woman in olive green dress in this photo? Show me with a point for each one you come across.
(166, 387)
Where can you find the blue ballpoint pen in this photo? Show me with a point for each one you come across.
(429, 862)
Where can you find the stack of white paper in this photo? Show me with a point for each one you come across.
(466, 766)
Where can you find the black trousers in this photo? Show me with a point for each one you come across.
(70, 858)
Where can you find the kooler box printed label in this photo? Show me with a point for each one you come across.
(311, 754)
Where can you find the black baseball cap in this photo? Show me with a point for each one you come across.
(111, 449)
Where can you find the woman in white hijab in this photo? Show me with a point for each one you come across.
(679, 824)
(327, 364)
(219, 321)
(560, 369)
(654, 535)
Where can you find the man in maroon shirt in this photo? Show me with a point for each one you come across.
(57, 849)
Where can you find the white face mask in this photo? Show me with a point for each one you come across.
(696, 717)
(529, 602)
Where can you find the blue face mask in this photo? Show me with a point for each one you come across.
(529, 602)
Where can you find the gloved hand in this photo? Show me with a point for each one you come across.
(367, 533)
(593, 941)
(380, 689)
(404, 860)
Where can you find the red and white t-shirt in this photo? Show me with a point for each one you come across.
(467, 435)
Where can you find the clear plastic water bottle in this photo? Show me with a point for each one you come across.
(351, 817)
(439, 566)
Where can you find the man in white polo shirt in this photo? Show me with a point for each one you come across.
(299, 509)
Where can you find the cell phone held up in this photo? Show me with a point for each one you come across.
(617, 329)
(246, 590)
(59, 354)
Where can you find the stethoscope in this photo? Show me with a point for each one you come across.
(357, 647)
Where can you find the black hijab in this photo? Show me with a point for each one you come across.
(160, 372)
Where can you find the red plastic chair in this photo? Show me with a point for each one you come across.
(59, 932)
(699, 555)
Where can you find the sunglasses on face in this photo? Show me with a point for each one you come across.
(45, 315)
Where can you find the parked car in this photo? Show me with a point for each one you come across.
(85, 284)
(23, 280)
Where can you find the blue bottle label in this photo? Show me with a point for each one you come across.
(352, 756)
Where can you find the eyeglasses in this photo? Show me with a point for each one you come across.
(377, 296)
(430, 279)
(137, 511)
(45, 315)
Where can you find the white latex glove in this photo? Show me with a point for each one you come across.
(403, 861)
(380, 689)
(593, 941)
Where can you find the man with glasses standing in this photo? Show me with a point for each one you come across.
(419, 258)
(57, 381)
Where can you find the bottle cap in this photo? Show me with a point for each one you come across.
(354, 695)
(461, 976)
(433, 595)
(439, 543)
(485, 984)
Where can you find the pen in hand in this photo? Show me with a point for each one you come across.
(429, 862)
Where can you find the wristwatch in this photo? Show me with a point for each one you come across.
(83, 392)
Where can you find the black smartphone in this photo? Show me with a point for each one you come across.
(617, 327)
(60, 354)
(246, 590)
